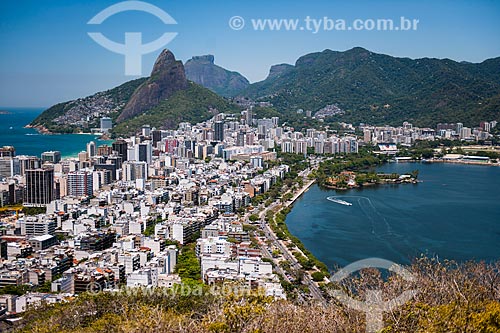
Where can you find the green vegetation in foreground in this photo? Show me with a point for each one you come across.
(193, 105)
(451, 297)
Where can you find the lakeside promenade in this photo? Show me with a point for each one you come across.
(301, 191)
(283, 247)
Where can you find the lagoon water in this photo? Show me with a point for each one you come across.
(28, 141)
(454, 213)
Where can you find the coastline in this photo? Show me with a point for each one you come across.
(298, 252)
(45, 131)
(332, 187)
(40, 129)
(285, 208)
(462, 162)
(300, 192)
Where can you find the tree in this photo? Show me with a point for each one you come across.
(253, 217)
(188, 266)
(317, 276)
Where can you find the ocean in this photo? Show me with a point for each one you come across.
(28, 141)
(454, 213)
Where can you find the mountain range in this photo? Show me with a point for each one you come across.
(365, 86)
(163, 100)
(380, 89)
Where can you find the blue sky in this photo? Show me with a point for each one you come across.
(47, 57)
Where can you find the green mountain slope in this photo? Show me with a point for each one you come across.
(67, 117)
(380, 89)
(162, 100)
(167, 77)
(193, 104)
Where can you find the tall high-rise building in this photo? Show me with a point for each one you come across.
(106, 124)
(9, 167)
(143, 152)
(146, 130)
(486, 126)
(219, 131)
(367, 136)
(104, 150)
(249, 117)
(240, 138)
(8, 193)
(276, 121)
(91, 149)
(134, 170)
(465, 133)
(170, 145)
(120, 146)
(80, 183)
(51, 156)
(28, 162)
(156, 134)
(39, 189)
(83, 156)
(250, 138)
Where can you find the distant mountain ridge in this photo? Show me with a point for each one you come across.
(368, 87)
(162, 100)
(203, 71)
(379, 89)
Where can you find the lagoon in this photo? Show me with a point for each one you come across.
(454, 213)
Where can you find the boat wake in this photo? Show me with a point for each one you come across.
(342, 202)
(380, 227)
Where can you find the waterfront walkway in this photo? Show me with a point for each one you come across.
(297, 195)
(314, 289)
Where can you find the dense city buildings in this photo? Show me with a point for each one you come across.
(113, 213)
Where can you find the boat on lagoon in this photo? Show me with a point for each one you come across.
(339, 201)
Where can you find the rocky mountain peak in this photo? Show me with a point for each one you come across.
(167, 77)
(163, 62)
(208, 58)
(278, 70)
(203, 71)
